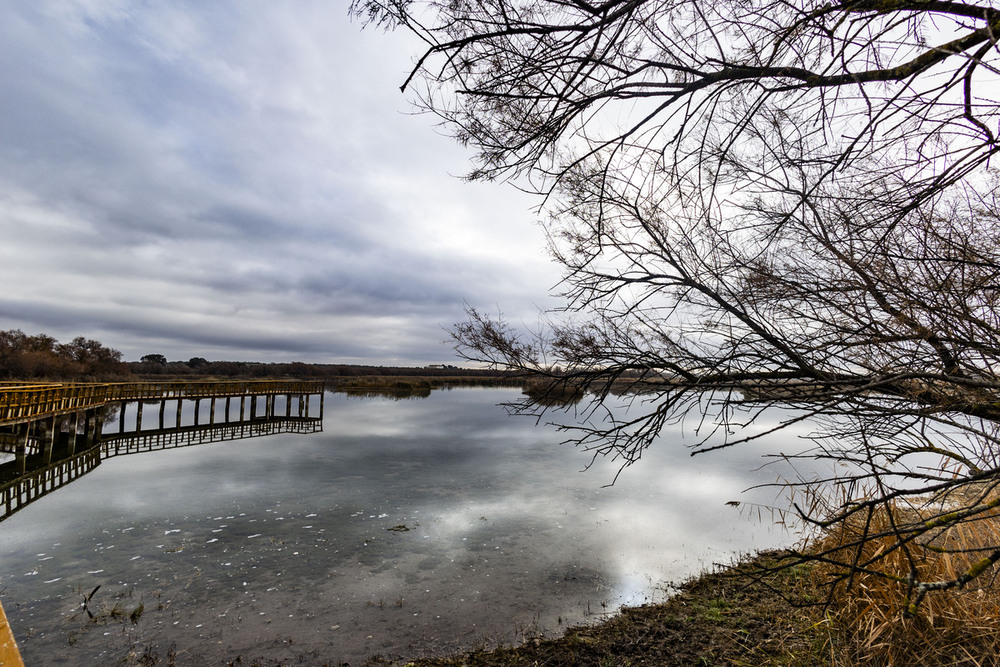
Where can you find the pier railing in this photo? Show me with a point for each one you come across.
(21, 403)
(140, 391)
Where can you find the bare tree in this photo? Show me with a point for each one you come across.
(773, 202)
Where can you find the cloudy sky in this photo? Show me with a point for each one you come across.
(241, 179)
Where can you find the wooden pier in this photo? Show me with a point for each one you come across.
(25, 403)
(250, 394)
(56, 431)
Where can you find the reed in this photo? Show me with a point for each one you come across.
(870, 562)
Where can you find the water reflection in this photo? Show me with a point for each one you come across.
(292, 548)
(386, 392)
(186, 436)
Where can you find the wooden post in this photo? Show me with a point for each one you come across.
(89, 427)
(49, 438)
(94, 429)
(179, 401)
(138, 416)
(197, 410)
(163, 412)
(211, 411)
(228, 401)
(121, 416)
(253, 407)
(288, 405)
(74, 426)
(21, 450)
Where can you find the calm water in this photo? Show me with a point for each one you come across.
(405, 528)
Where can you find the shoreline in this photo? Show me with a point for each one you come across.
(732, 615)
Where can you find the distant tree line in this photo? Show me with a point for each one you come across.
(155, 365)
(24, 357)
(42, 357)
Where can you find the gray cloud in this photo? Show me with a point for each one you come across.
(240, 179)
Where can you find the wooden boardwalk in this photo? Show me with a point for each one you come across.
(25, 403)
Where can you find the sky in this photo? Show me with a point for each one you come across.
(242, 180)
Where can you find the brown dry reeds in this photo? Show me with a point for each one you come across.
(872, 561)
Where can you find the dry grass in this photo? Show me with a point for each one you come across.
(871, 613)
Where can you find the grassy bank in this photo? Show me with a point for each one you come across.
(767, 611)
(730, 617)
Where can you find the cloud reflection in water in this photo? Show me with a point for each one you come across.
(405, 527)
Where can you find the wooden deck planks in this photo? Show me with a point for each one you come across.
(9, 655)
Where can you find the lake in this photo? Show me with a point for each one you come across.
(403, 528)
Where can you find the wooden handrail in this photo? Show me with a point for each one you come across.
(26, 402)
